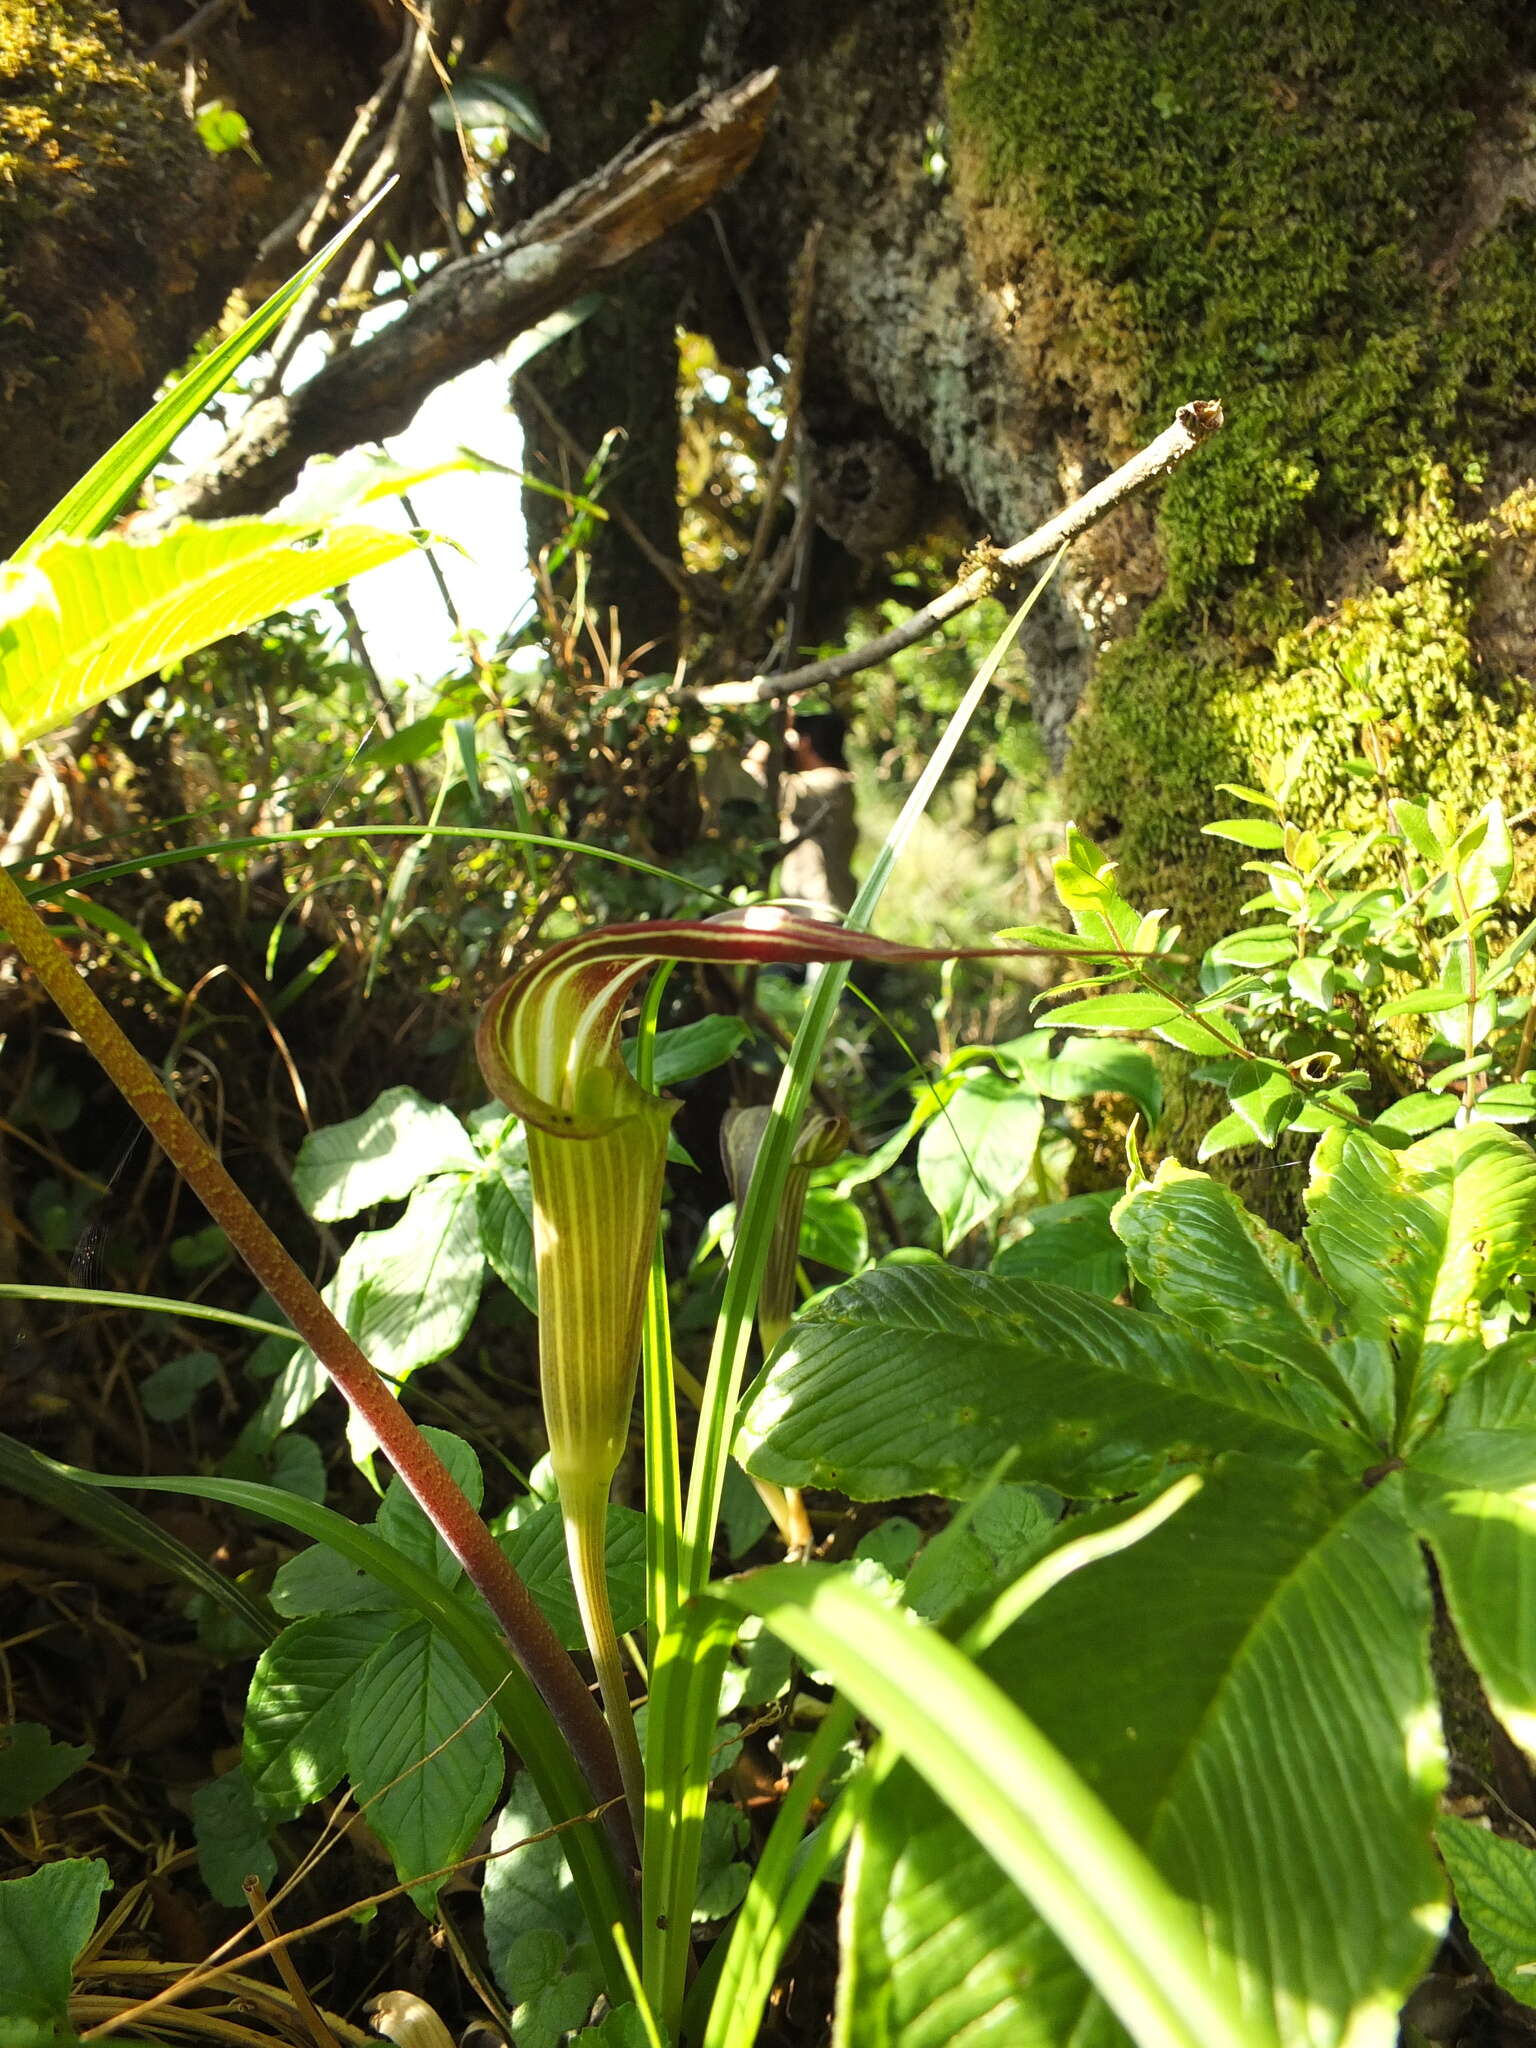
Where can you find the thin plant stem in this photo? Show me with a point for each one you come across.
(586, 1531)
(728, 1356)
(532, 1641)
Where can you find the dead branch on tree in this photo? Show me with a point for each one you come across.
(1192, 425)
(470, 309)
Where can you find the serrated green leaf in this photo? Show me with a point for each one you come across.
(1418, 1114)
(232, 1842)
(536, 1545)
(423, 1754)
(1495, 1882)
(171, 1389)
(1265, 946)
(914, 1379)
(1414, 824)
(504, 1212)
(46, 1918)
(297, 1708)
(975, 1155)
(1513, 1103)
(1219, 1272)
(1487, 1430)
(407, 1294)
(688, 1050)
(402, 1523)
(539, 1947)
(1414, 1243)
(1099, 913)
(399, 1141)
(117, 609)
(1227, 1135)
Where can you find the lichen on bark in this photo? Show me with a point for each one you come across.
(1327, 222)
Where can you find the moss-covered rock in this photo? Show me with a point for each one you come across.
(1321, 216)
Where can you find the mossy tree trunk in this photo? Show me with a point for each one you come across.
(1047, 225)
(121, 236)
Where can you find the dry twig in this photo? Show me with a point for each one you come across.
(1192, 425)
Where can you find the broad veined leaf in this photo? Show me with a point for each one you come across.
(1137, 1010)
(1070, 1243)
(46, 1919)
(1248, 1690)
(1495, 1883)
(1265, 1097)
(32, 1765)
(423, 1753)
(1485, 1546)
(116, 609)
(504, 1207)
(379, 1156)
(535, 1935)
(232, 1837)
(978, 1151)
(1044, 1825)
(1223, 1274)
(833, 1231)
(935, 1942)
(409, 1293)
(1486, 1436)
(688, 1050)
(536, 1545)
(1414, 1244)
(914, 1379)
(402, 1523)
(297, 1708)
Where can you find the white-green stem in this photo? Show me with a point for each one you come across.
(585, 1509)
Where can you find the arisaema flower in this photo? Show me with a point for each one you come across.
(549, 1048)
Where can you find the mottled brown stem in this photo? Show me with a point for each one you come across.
(531, 1639)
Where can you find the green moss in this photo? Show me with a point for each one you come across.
(1264, 203)
(75, 110)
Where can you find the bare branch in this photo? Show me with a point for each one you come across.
(1192, 425)
(469, 310)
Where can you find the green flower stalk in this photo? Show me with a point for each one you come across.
(549, 1049)
(822, 1139)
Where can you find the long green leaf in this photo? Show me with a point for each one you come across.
(1012, 1790)
(34, 1477)
(178, 856)
(1248, 1690)
(912, 1379)
(99, 614)
(107, 485)
(518, 1706)
(782, 1887)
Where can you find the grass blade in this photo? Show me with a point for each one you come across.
(1015, 1792)
(90, 507)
